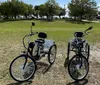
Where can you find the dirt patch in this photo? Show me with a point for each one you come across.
(50, 75)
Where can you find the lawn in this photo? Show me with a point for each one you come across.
(60, 31)
(12, 32)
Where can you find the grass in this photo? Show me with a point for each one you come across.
(55, 30)
(12, 32)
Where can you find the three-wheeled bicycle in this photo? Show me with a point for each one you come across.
(23, 67)
(78, 65)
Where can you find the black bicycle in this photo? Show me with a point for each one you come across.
(23, 67)
(78, 66)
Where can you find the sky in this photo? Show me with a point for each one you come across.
(60, 2)
(38, 2)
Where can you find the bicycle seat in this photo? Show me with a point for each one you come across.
(42, 35)
(40, 41)
(78, 34)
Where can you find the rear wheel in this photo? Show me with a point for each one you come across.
(52, 54)
(22, 68)
(78, 67)
(36, 52)
(68, 50)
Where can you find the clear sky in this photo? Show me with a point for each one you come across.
(38, 2)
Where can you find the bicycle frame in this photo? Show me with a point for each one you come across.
(39, 51)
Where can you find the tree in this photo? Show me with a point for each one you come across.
(80, 8)
(42, 10)
(28, 10)
(5, 9)
(52, 8)
(15, 7)
(62, 12)
(36, 8)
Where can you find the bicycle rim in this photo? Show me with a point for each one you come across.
(52, 54)
(21, 71)
(78, 68)
(87, 49)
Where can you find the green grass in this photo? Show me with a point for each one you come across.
(57, 30)
(12, 32)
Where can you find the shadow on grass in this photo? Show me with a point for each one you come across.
(21, 83)
(66, 62)
(82, 82)
(43, 67)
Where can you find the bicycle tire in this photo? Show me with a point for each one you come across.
(49, 54)
(27, 68)
(36, 52)
(68, 50)
(87, 51)
(72, 73)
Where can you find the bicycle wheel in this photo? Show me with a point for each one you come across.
(36, 52)
(78, 67)
(52, 54)
(22, 68)
(68, 50)
(87, 51)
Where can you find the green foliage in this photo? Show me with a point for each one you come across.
(5, 9)
(49, 9)
(52, 8)
(14, 8)
(82, 8)
(62, 12)
(42, 10)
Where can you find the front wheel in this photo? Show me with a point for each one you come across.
(22, 68)
(78, 67)
(87, 51)
(52, 54)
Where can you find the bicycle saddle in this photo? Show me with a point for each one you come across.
(78, 34)
(42, 35)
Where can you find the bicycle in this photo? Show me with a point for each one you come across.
(78, 65)
(23, 67)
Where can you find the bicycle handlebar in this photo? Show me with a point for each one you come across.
(33, 33)
(87, 30)
(82, 34)
(27, 35)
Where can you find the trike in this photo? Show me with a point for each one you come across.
(23, 67)
(78, 65)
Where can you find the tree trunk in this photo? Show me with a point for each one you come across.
(80, 18)
(59, 17)
(26, 17)
(15, 17)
